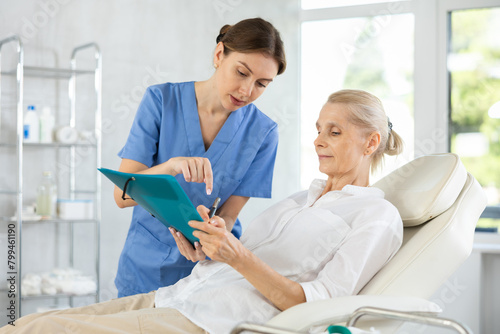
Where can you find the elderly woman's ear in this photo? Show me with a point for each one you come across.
(373, 143)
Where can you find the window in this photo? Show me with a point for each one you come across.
(373, 53)
(434, 64)
(474, 72)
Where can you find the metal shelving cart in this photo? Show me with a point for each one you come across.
(14, 225)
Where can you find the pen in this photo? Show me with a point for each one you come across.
(214, 208)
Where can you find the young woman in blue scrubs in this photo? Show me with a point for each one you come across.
(210, 136)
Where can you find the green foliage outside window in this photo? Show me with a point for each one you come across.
(475, 87)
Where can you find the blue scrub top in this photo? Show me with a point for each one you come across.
(167, 125)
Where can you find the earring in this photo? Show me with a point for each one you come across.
(216, 66)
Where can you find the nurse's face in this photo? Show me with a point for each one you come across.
(242, 77)
(341, 146)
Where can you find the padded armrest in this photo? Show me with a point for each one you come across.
(333, 311)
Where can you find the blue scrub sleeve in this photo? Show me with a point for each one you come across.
(258, 180)
(142, 142)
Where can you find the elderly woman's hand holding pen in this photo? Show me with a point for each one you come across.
(217, 242)
(198, 253)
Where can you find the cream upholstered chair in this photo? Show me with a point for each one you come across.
(440, 203)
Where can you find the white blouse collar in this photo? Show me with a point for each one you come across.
(317, 186)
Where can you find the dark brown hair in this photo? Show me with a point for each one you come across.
(254, 35)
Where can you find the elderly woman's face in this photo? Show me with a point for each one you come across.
(340, 145)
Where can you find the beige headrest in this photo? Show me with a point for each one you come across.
(425, 187)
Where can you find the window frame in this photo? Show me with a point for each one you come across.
(428, 136)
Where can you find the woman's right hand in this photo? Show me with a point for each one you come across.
(194, 169)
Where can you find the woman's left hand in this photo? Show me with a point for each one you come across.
(186, 249)
(217, 242)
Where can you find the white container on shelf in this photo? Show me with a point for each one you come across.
(66, 135)
(47, 122)
(31, 126)
(75, 209)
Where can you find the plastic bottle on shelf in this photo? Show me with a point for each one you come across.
(46, 126)
(31, 126)
(46, 197)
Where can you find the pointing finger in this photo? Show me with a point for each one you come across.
(209, 178)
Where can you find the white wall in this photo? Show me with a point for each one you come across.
(471, 295)
(145, 42)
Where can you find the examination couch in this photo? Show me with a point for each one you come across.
(440, 203)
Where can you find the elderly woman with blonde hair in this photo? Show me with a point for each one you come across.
(324, 242)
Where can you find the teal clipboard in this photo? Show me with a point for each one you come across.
(160, 195)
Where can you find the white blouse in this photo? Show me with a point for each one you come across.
(332, 246)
